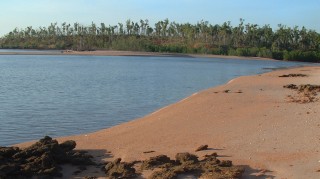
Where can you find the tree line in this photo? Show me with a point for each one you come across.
(245, 39)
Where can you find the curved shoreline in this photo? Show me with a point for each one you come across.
(247, 120)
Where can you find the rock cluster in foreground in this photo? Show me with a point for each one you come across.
(185, 163)
(41, 159)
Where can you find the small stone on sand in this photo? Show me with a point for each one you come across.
(202, 147)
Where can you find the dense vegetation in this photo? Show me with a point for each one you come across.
(243, 40)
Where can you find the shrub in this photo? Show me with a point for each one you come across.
(232, 52)
(265, 53)
(278, 55)
(253, 52)
(242, 52)
(308, 56)
(215, 51)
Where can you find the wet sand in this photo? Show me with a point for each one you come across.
(249, 120)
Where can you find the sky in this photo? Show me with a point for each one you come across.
(36, 13)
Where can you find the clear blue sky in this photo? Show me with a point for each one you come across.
(35, 13)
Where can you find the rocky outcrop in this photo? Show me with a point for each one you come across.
(118, 169)
(210, 167)
(42, 159)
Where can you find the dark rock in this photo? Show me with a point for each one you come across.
(202, 147)
(164, 168)
(156, 161)
(68, 145)
(213, 155)
(186, 157)
(40, 160)
(212, 159)
(50, 172)
(90, 177)
(78, 158)
(10, 168)
(210, 168)
(8, 151)
(46, 140)
(163, 174)
(118, 169)
(225, 163)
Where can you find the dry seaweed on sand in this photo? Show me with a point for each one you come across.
(303, 87)
(306, 93)
(42, 159)
(149, 151)
(294, 75)
(291, 86)
(309, 88)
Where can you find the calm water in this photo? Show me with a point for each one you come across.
(63, 95)
(35, 51)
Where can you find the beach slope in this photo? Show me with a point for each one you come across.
(253, 120)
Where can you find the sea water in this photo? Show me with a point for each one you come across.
(60, 95)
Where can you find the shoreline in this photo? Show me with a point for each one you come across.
(129, 53)
(248, 120)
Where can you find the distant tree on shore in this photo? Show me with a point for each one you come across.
(245, 39)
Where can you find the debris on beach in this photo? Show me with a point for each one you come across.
(149, 151)
(306, 93)
(202, 147)
(226, 91)
(309, 88)
(42, 159)
(294, 75)
(291, 86)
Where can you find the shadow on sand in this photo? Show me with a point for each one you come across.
(251, 173)
(99, 157)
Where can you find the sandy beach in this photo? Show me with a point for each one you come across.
(252, 120)
(136, 53)
(125, 53)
